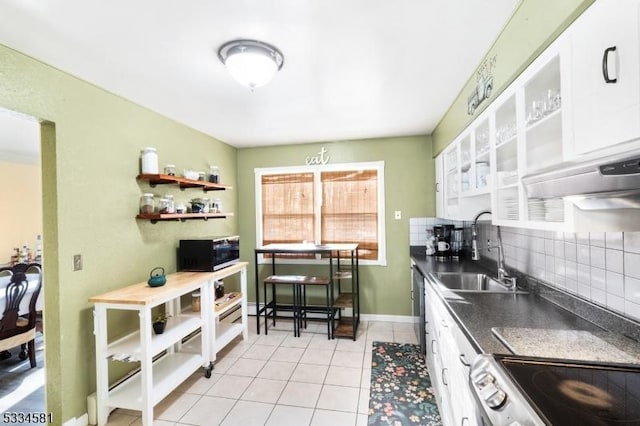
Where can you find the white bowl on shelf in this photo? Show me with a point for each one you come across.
(190, 174)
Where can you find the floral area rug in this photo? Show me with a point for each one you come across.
(401, 391)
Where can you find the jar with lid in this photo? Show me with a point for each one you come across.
(171, 204)
(197, 205)
(163, 205)
(216, 206)
(195, 301)
(202, 176)
(149, 161)
(214, 174)
(205, 205)
(170, 169)
(147, 204)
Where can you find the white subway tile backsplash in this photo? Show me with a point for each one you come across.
(601, 267)
(570, 251)
(571, 270)
(558, 249)
(597, 239)
(615, 303)
(582, 238)
(614, 240)
(599, 296)
(615, 284)
(548, 247)
(632, 265)
(583, 254)
(559, 266)
(615, 261)
(549, 265)
(632, 290)
(584, 275)
(598, 257)
(598, 278)
(632, 242)
(632, 309)
(584, 291)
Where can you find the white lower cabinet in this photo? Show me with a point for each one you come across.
(190, 340)
(449, 358)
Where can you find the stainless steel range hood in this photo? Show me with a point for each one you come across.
(611, 182)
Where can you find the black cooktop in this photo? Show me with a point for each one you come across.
(578, 393)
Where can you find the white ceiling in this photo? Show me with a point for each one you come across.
(353, 68)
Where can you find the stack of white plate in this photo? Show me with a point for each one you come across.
(537, 209)
(554, 210)
(510, 208)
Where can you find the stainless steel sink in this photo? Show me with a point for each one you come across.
(472, 282)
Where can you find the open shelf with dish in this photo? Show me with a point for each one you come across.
(184, 183)
(156, 217)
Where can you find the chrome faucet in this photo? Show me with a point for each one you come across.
(475, 254)
(503, 275)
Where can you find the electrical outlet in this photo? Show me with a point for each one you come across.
(77, 262)
(398, 214)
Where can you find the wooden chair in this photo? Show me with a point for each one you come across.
(18, 327)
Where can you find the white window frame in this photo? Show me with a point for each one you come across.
(316, 170)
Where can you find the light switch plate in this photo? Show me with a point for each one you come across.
(77, 262)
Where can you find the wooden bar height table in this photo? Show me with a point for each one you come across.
(343, 266)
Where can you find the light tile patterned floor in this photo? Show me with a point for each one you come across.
(280, 380)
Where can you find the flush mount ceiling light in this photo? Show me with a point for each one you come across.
(251, 63)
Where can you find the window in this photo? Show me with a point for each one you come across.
(338, 203)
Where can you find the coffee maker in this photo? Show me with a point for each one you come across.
(443, 241)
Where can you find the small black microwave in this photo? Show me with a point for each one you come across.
(209, 254)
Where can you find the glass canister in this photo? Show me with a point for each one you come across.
(149, 161)
(216, 206)
(205, 205)
(197, 205)
(202, 176)
(147, 204)
(195, 301)
(163, 205)
(170, 169)
(171, 204)
(214, 174)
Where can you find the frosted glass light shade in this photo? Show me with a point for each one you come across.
(251, 62)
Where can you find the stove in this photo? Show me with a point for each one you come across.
(513, 390)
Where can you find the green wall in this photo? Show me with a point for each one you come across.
(409, 183)
(91, 141)
(534, 25)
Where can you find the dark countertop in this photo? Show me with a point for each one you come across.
(524, 319)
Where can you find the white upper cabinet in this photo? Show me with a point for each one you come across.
(605, 75)
(440, 212)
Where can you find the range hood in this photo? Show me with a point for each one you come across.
(611, 182)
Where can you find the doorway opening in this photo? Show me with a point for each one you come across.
(22, 388)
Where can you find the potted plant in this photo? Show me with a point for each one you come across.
(159, 322)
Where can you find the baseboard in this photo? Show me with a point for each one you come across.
(387, 318)
(251, 310)
(83, 420)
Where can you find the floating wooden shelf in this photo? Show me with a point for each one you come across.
(155, 217)
(184, 183)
